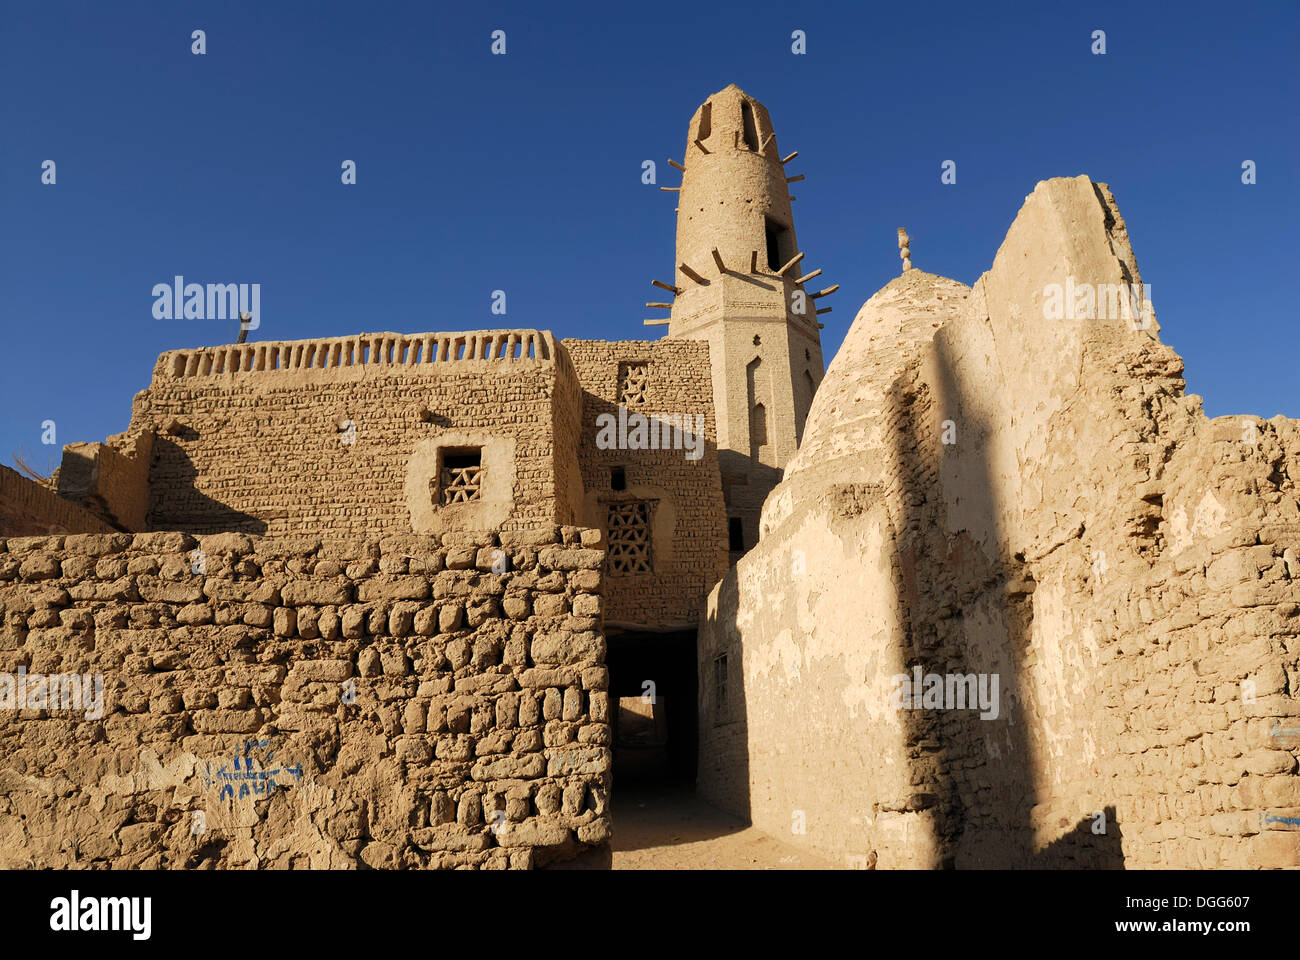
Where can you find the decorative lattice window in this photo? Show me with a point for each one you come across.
(633, 378)
(629, 537)
(461, 477)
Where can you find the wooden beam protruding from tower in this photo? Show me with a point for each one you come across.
(824, 310)
(655, 323)
(827, 292)
(809, 276)
(795, 179)
(665, 286)
(660, 306)
(674, 163)
(717, 258)
(692, 274)
(793, 260)
(671, 189)
(785, 160)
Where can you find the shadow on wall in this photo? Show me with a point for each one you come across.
(723, 707)
(176, 504)
(746, 498)
(965, 613)
(960, 615)
(963, 606)
(1084, 847)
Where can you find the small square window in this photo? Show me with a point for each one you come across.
(617, 478)
(460, 476)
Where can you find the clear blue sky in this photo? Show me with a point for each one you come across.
(523, 172)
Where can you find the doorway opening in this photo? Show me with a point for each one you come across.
(653, 692)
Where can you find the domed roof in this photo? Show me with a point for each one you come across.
(885, 336)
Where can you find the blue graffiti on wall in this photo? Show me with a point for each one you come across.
(251, 774)
(1267, 818)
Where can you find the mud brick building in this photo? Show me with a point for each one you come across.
(394, 600)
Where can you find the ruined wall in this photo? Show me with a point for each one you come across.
(27, 509)
(689, 543)
(988, 492)
(320, 436)
(110, 483)
(296, 702)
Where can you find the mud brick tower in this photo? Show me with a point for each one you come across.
(740, 286)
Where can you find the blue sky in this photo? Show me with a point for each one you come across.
(523, 172)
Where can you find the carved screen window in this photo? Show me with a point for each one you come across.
(461, 477)
(633, 378)
(629, 537)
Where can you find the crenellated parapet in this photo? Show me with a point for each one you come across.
(372, 351)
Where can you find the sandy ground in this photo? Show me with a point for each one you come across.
(669, 828)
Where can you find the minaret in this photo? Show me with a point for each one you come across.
(740, 286)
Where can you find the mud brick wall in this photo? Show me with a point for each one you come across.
(29, 509)
(1149, 678)
(691, 537)
(299, 702)
(250, 438)
(112, 484)
(1200, 681)
(983, 494)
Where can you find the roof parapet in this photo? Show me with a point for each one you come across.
(365, 349)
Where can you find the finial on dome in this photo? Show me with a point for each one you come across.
(904, 249)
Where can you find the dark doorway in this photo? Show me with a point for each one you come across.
(653, 707)
(736, 534)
